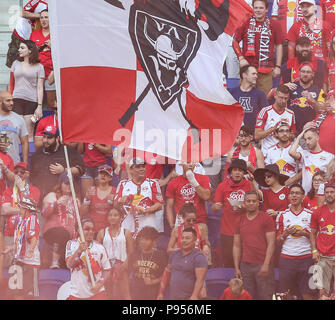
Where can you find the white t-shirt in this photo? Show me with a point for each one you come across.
(267, 118)
(280, 156)
(80, 280)
(311, 163)
(295, 246)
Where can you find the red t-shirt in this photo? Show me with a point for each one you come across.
(99, 207)
(7, 197)
(328, 11)
(276, 38)
(182, 191)
(331, 70)
(318, 38)
(310, 204)
(9, 163)
(327, 134)
(227, 189)
(277, 201)
(44, 55)
(253, 237)
(228, 295)
(324, 222)
(92, 156)
(45, 122)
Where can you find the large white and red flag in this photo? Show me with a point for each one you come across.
(147, 74)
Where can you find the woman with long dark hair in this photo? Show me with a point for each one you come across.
(26, 84)
(312, 198)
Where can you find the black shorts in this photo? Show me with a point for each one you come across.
(24, 107)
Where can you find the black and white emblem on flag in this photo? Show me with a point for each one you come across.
(165, 50)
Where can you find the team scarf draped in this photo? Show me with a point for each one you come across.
(252, 155)
(315, 35)
(264, 44)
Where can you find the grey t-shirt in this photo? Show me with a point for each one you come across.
(16, 128)
(25, 86)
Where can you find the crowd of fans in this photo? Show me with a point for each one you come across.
(275, 192)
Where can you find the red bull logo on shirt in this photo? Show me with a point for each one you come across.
(329, 230)
(312, 169)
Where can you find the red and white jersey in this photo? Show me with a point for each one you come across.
(26, 229)
(267, 118)
(80, 280)
(311, 163)
(279, 155)
(144, 195)
(23, 26)
(295, 246)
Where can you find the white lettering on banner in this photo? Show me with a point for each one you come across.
(15, 282)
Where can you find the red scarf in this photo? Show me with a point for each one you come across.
(252, 155)
(264, 44)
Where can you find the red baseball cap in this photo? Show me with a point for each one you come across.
(106, 168)
(330, 184)
(21, 165)
(331, 93)
(51, 131)
(310, 64)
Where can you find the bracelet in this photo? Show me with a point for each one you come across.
(315, 251)
(278, 66)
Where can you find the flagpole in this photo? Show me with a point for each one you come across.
(80, 228)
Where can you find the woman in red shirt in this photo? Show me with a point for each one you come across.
(99, 199)
(311, 198)
(275, 194)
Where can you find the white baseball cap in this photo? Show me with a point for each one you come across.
(307, 1)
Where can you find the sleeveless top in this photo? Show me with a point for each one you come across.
(116, 247)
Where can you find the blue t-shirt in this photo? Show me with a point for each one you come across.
(303, 109)
(183, 278)
(252, 102)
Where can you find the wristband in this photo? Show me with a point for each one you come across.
(315, 251)
(278, 66)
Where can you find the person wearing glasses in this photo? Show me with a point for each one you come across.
(77, 253)
(293, 232)
(246, 151)
(278, 154)
(188, 212)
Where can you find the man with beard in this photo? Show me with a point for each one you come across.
(278, 154)
(312, 27)
(48, 163)
(246, 151)
(229, 196)
(14, 128)
(322, 238)
(270, 117)
(312, 160)
(307, 99)
(303, 53)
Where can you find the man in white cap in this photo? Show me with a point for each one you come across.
(140, 197)
(314, 28)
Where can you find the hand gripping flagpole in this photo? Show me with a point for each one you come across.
(80, 228)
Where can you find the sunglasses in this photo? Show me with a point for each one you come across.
(267, 176)
(283, 131)
(191, 220)
(19, 171)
